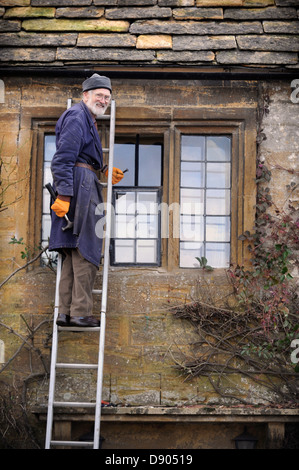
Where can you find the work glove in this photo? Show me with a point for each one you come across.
(61, 206)
(117, 175)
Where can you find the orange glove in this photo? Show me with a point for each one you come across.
(61, 207)
(117, 175)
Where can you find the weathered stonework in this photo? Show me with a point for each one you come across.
(154, 42)
(75, 25)
(268, 43)
(225, 57)
(87, 12)
(29, 12)
(197, 43)
(23, 39)
(240, 22)
(106, 40)
(135, 13)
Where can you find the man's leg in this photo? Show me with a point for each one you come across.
(65, 288)
(82, 297)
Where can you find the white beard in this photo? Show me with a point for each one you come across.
(97, 109)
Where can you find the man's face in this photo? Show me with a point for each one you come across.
(97, 100)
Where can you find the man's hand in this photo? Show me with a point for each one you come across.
(117, 175)
(61, 205)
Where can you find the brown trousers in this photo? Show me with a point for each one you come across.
(76, 285)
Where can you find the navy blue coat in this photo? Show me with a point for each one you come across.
(77, 140)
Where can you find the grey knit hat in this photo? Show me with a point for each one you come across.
(97, 81)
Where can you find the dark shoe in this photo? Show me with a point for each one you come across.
(63, 320)
(84, 321)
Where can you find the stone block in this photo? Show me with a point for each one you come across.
(23, 39)
(286, 3)
(137, 3)
(288, 27)
(219, 3)
(104, 3)
(197, 13)
(85, 12)
(176, 3)
(262, 58)
(60, 3)
(87, 54)
(106, 40)
(10, 54)
(193, 27)
(258, 3)
(9, 26)
(259, 13)
(13, 3)
(29, 12)
(161, 41)
(135, 13)
(186, 56)
(75, 25)
(197, 43)
(269, 43)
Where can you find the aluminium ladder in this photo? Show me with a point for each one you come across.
(99, 366)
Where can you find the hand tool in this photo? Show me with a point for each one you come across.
(52, 192)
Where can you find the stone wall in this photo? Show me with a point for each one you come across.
(144, 340)
(150, 32)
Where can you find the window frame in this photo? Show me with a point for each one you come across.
(243, 161)
(206, 188)
(139, 139)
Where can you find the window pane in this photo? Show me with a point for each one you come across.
(125, 203)
(218, 202)
(149, 165)
(146, 251)
(147, 203)
(192, 175)
(46, 201)
(192, 201)
(124, 251)
(50, 147)
(192, 147)
(218, 229)
(46, 226)
(218, 148)
(218, 175)
(125, 226)
(192, 228)
(147, 226)
(188, 254)
(218, 254)
(124, 158)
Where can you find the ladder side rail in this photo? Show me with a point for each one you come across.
(105, 280)
(53, 358)
(54, 346)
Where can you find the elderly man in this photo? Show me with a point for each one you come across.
(75, 166)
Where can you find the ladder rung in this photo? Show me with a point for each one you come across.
(79, 328)
(104, 117)
(105, 149)
(74, 404)
(67, 365)
(72, 443)
(97, 291)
